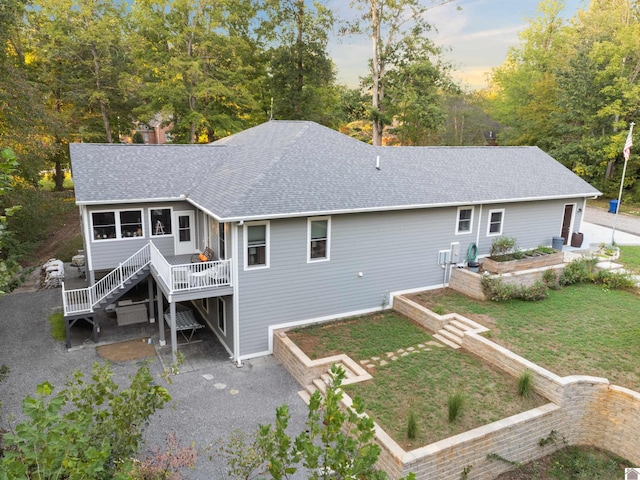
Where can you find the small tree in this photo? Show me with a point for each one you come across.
(88, 430)
(337, 443)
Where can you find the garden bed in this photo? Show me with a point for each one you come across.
(507, 264)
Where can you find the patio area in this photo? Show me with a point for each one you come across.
(203, 351)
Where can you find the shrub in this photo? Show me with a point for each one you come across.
(412, 426)
(551, 278)
(613, 279)
(577, 271)
(499, 291)
(87, 430)
(58, 328)
(455, 404)
(502, 245)
(532, 293)
(525, 384)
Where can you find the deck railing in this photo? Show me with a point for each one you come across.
(84, 300)
(179, 278)
(190, 276)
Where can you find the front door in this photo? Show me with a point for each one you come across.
(566, 222)
(185, 233)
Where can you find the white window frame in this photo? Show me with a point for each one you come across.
(223, 304)
(118, 226)
(151, 234)
(205, 304)
(491, 212)
(464, 232)
(327, 256)
(267, 252)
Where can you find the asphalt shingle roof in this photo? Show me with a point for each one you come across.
(290, 168)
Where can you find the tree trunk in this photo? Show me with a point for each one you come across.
(299, 66)
(377, 92)
(103, 104)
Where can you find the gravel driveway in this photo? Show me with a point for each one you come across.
(207, 405)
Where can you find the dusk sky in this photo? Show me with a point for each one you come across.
(479, 36)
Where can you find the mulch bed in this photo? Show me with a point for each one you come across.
(125, 351)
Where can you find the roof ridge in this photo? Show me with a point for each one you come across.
(257, 179)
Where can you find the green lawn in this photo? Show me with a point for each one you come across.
(630, 256)
(579, 330)
(420, 382)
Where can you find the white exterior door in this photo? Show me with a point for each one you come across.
(185, 232)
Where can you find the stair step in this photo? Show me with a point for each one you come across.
(446, 341)
(305, 396)
(320, 384)
(454, 330)
(461, 325)
(450, 336)
(468, 323)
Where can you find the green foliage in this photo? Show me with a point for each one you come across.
(614, 279)
(578, 270)
(551, 278)
(502, 245)
(412, 426)
(455, 405)
(525, 384)
(496, 289)
(58, 330)
(336, 442)
(87, 430)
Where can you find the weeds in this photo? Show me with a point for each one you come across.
(455, 405)
(412, 426)
(525, 384)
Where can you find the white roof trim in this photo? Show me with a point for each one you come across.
(133, 200)
(399, 207)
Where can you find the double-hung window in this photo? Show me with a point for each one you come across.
(464, 222)
(256, 236)
(117, 224)
(495, 221)
(318, 238)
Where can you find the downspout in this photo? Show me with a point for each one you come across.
(86, 242)
(479, 226)
(235, 249)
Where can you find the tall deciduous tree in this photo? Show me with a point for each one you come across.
(302, 75)
(392, 24)
(195, 64)
(573, 88)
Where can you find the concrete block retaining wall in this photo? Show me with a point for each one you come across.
(582, 410)
(470, 283)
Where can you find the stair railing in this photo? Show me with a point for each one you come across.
(85, 299)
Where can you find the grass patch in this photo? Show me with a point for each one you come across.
(583, 329)
(630, 256)
(419, 382)
(48, 183)
(58, 330)
(353, 336)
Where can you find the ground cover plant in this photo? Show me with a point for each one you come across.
(584, 329)
(420, 382)
(573, 462)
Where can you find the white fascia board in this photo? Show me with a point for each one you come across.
(316, 213)
(132, 200)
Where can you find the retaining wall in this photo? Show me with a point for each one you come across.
(470, 284)
(583, 410)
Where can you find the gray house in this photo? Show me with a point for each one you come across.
(305, 224)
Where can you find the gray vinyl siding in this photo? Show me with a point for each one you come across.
(211, 318)
(107, 254)
(395, 251)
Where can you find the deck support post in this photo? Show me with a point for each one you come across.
(160, 319)
(174, 332)
(152, 312)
